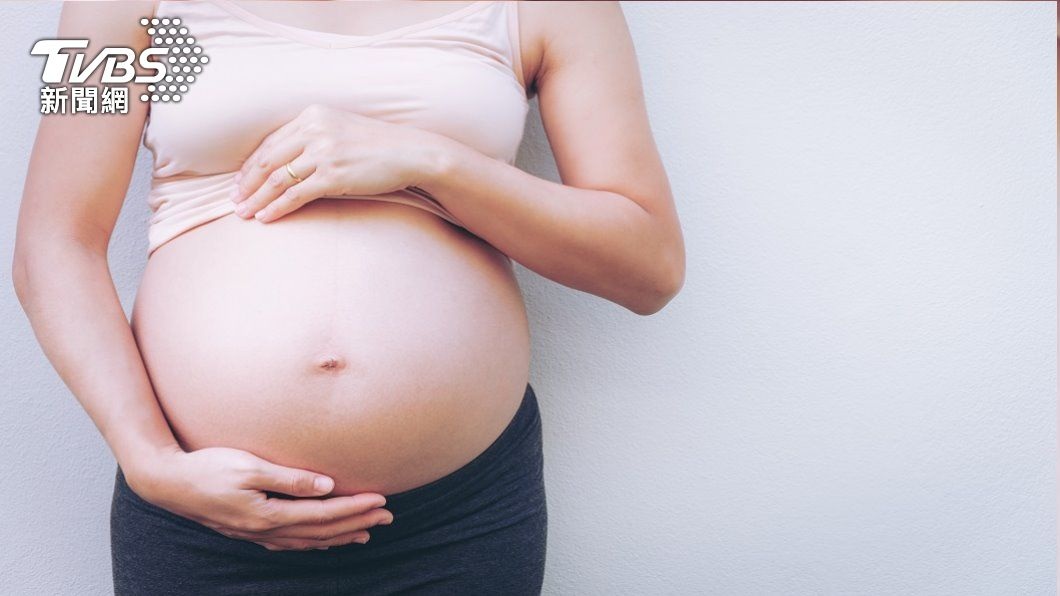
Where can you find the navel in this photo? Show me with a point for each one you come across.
(331, 363)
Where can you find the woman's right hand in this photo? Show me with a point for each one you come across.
(224, 489)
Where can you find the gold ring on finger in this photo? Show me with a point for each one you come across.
(291, 173)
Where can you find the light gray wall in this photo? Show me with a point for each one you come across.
(854, 393)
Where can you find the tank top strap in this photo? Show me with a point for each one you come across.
(511, 8)
(495, 32)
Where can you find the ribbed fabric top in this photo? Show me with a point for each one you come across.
(458, 75)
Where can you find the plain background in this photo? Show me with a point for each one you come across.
(853, 394)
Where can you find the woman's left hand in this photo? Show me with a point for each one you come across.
(329, 152)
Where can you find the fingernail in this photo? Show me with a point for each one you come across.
(362, 540)
(386, 521)
(323, 484)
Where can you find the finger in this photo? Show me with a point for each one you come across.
(336, 528)
(289, 481)
(280, 146)
(294, 197)
(360, 537)
(287, 512)
(344, 527)
(277, 182)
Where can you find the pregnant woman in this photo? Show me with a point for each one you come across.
(328, 342)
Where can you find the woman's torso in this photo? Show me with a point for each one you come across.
(366, 339)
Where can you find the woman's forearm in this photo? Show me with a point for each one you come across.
(68, 294)
(596, 241)
(627, 249)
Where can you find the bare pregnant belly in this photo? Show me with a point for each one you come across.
(369, 341)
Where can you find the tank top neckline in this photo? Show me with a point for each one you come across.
(327, 39)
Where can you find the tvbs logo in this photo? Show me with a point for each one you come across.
(116, 62)
(168, 66)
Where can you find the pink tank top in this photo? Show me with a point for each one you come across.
(458, 75)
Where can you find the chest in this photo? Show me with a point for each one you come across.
(452, 80)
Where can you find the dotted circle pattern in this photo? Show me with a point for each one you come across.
(185, 58)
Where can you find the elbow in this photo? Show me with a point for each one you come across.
(23, 256)
(43, 254)
(661, 286)
(19, 277)
(23, 278)
(653, 301)
(30, 263)
(25, 253)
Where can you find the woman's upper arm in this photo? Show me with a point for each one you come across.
(592, 105)
(81, 164)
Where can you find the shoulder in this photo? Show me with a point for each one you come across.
(107, 16)
(552, 31)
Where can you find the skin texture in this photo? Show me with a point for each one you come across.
(609, 228)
